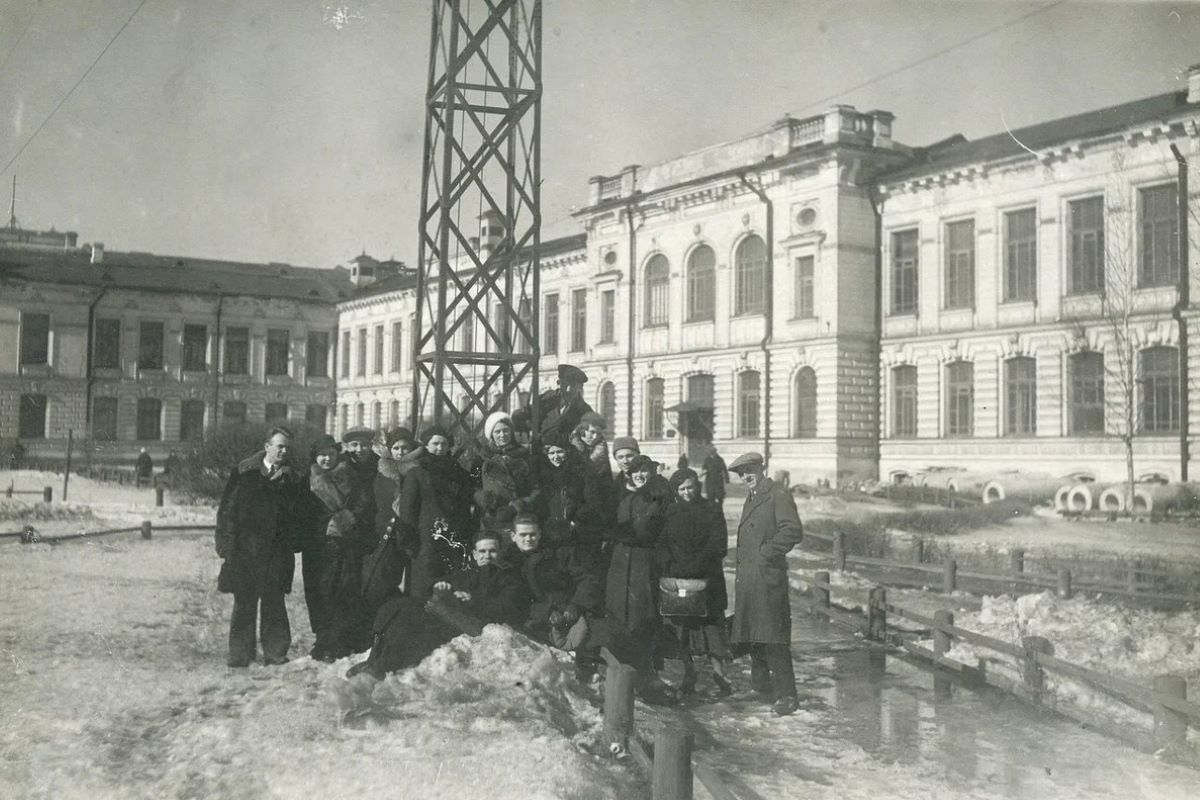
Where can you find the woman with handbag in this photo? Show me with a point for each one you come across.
(690, 558)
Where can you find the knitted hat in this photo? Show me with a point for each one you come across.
(494, 419)
(398, 435)
(625, 443)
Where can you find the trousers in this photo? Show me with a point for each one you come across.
(771, 670)
(275, 632)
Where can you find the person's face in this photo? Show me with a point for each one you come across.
(502, 434)
(590, 435)
(689, 490)
(487, 551)
(526, 538)
(752, 477)
(356, 448)
(569, 390)
(624, 457)
(327, 458)
(641, 475)
(557, 456)
(438, 445)
(277, 448)
(400, 448)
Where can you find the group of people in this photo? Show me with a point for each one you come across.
(547, 540)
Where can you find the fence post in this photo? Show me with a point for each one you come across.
(941, 639)
(820, 593)
(47, 494)
(158, 496)
(949, 575)
(672, 779)
(839, 551)
(877, 614)
(1064, 584)
(1170, 726)
(146, 529)
(1016, 559)
(1031, 672)
(618, 703)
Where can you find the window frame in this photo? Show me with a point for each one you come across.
(243, 349)
(1086, 393)
(1080, 239)
(1151, 390)
(749, 278)
(378, 349)
(1151, 233)
(1019, 276)
(958, 277)
(185, 422)
(102, 405)
(1020, 396)
(804, 421)
(316, 354)
(959, 400)
(608, 316)
(905, 399)
(701, 284)
(656, 310)
(271, 362)
(578, 321)
(655, 428)
(804, 297)
(155, 419)
(42, 342)
(904, 273)
(27, 402)
(193, 356)
(550, 326)
(105, 344)
(145, 364)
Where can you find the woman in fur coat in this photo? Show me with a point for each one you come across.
(503, 474)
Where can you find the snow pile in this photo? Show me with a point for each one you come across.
(21, 511)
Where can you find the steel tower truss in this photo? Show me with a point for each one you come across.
(481, 162)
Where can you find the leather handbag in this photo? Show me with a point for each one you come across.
(682, 597)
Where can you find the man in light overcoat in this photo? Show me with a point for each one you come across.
(769, 528)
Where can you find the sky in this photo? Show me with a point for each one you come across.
(291, 130)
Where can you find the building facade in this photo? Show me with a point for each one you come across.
(129, 350)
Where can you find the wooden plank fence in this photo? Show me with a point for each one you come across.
(146, 529)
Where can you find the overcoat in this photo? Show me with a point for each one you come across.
(715, 477)
(693, 545)
(555, 418)
(504, 483)
(433, 520)
(769, 528)
(631, 588)
(258, 525)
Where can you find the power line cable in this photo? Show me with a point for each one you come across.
(21, 36)
(67, 96)
(936, 54)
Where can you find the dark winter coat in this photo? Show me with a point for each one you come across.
(715, 477)
(631, 588)
(388, 481)
(504, 483)
(554, 584)
(258, 528)
(572, 506)
(769, 528)
(555, 418)
(498, 593)
(433, 520)
(693, 545)
(347, 498)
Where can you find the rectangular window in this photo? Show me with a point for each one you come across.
(191, 420)
(1087, 394)
(608, 316)
(107, 354)
(31, 423)
(361, 370)
(960, 264)
(345, 354)
(150, 345)
(904, 401)
(524, 337)
(1020, 255)
(394, 414)
(960, 398)
(234, 412)
(1086, 240)
(278, 351)
(378, 362)
(1158, 369)
(316, 355)
(550, 334)
(1020, 397)
(500, 326)
(804, 302)
(748, 403)
(397, 347)
(316, 414)
(149, 419)
(237, 351)
(35, 339)
(904, 272)
(1159, 228)
(467, 333)
(578, 320)
(345, 418)
(276, 412)
(104, 419)
(195, 348)
(654, 408)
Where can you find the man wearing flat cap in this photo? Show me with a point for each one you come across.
(561, 408)
(769, 528)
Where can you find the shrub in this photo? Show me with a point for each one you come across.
(207, 466)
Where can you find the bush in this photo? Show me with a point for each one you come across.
(207, 466)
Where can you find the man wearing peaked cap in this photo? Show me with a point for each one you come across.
(746, 461)
(561, 408)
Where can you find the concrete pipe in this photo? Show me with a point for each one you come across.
(1085, 497)
(1032, 488)
(1060, 496)
(968, 484)
(1113, 499)
(1159, 498)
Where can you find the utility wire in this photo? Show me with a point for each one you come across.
(936, 54)
(20, 36)
(67, 96)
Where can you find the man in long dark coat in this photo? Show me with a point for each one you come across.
(715, 477)
(258, 526)
(769, 528)
(561, 408)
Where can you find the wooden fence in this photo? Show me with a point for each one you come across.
(146, 529)
(47, 492)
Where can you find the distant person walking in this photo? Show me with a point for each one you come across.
(715, 477)
(769, 528)
(258, 525)
(144, 468)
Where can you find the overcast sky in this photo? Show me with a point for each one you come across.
(282, 130)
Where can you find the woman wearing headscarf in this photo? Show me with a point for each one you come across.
(693, 545)
(503, 474)
(433, 513)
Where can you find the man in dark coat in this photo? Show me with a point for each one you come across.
(561, 408)
(258, 526)
(769, 528)
(715, 478)
(144, 468)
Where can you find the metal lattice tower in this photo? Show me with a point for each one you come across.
(476, 342)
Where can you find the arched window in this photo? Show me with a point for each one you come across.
(359, 415)
(394, 414)
(654, 408)
(749, 399)
(750, 277)
(1158, 374)
(804, 421)
(657, 291)
(608, 405)
(701, 284)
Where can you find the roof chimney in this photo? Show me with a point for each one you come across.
(1193, 79)
(98, 253)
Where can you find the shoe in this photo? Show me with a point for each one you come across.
(657, 693)
(366, 667)
(724, 687)
(272, 661)
(785, 706)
